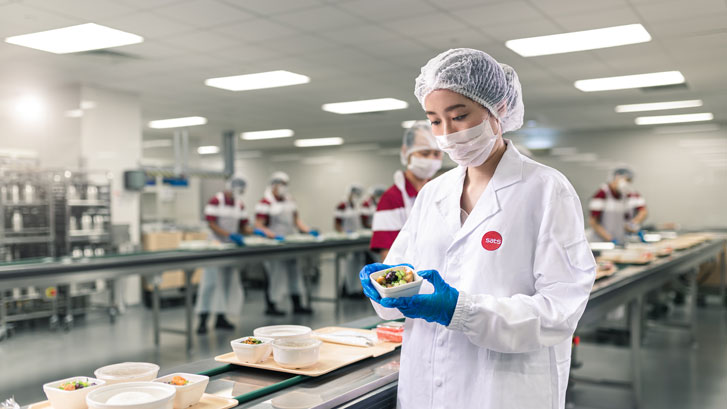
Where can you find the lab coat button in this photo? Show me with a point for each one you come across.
(441, 342)
(438, 383)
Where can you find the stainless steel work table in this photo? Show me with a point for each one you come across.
(152, 264)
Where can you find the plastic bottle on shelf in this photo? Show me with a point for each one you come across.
(98, 223)
(29, 193)
(92, 193)
(17, 221)
(77, 253)
(72, 223)
(86, 222)
(15, 194)
(99, 251)
(88, 251)
(71, 193)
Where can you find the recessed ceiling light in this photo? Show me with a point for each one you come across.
(307, 143)
(368, 105)
(658, 106)
(178, 122)
(260, 80)
(83, 37)
(653, 79)
(208, 150)
(156, 143)
(271, 134)
(29, 108)
(579, 40)
(672, 119)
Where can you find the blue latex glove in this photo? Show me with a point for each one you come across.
(259, 232)
(237, 239)
(641, 236)
(437, 307)
(314, 233)
(616, 242)
(369, 288)
(279, 238)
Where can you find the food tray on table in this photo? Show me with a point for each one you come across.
(623, 256)
(208, 401)
(605, 269)
(662, 249)
(332, 356)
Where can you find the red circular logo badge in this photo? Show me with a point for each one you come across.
(491, 241)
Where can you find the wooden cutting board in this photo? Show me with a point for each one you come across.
(332, 356)
(208, 401)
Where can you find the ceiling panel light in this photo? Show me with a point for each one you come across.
(83, 37)
(271, 134)
(307, 143)
(653, 79)
(260, 80)
(208, 150)
(658, 106)
(178, 122)
(579, 40)
(672, 119)
(368, 105)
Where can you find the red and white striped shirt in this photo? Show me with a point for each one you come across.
(391, 215)
(226, 213)
(368, 208)
(349, 216)
(605, 200)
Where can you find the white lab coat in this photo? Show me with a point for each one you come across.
(509, 342)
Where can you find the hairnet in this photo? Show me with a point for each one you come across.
(622, 171)
(377, 190)
(279, 177)
(479, 77)
(417, 138)
(354, 188)
(236, 181)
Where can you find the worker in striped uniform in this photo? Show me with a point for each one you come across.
(616, 208)
(347, 219)
(422, 158)
(221, 289)
(368, 206)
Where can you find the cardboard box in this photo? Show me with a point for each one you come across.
(189, 236)
(161, 241)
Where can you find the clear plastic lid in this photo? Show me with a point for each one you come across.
(391, 326)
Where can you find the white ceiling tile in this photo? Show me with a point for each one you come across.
(199, 40)
(361, 34)
(467, 38)
(29, 20)
(255, 31)
(319, 18)
(91, 10)
(669, 10)
(512, 11)
(436, 22)
(147, 24)
(153, 49)
(567, 7)
(298, 44)
(394, 47)
(148, 4)
(203, 13)
(534, 28)
(384, 10)
(601, 19)
(248, 54)
(268, 7)
(666, 31)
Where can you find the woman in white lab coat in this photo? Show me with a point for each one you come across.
(501, 244)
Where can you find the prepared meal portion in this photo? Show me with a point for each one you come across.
(75, 385)
(178, 381)
(127, 372)
(396, 277)
(251, 341)
(132, 395)
(296, 353)
(190, 388)
(252, 350)
(390, 332)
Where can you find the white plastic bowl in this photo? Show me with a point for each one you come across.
(283, 331)
(60, 399)
(296, 353)
(406, 290)
(127, 372)
(189, 394)
(132, 395)
(252, 353)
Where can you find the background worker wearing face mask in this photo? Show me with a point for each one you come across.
(368, 206)
(276, 216)
(348, 220)
(221, 289)
(500, 243)
(422, 158)
(617, 209)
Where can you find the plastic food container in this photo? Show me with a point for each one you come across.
(132, 395)
(252, 353)
(189, 394)
(127, 372)
(76, 399)
(390, 331)
(296, 352)
(283, 331)
(405, 290)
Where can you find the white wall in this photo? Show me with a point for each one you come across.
(670, 172)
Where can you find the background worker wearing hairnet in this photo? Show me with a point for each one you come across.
(422, 158)
(276, 216)
(368, 206)
(347, 219)
(221, 290)
(500, 243)
(616, 208)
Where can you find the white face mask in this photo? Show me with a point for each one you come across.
(282, 190)
(470, 147)
(623, 186)
(424, 168)
(237, 193)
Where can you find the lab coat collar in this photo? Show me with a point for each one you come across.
(509, 171)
